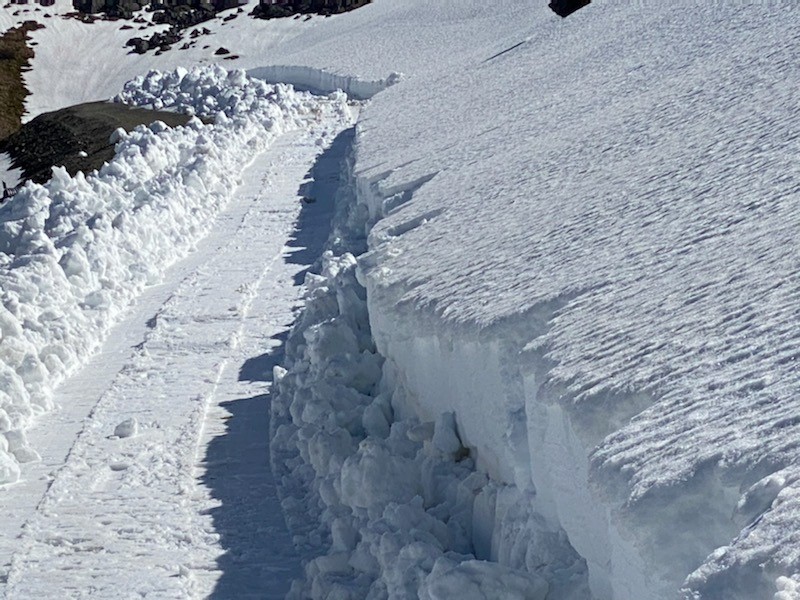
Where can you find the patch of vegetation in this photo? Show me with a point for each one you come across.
(15, 55)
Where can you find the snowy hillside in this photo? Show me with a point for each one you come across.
(599, 279)
(550, 351)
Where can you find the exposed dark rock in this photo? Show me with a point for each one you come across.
(161, 41)
(564, 8)
(269, 9)
(15, 54)
(76, 137)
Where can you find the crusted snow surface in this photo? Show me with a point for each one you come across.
(587, 251)
(75, 252)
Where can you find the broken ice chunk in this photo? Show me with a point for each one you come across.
(128, 428)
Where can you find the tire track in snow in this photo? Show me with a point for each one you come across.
(120, 519)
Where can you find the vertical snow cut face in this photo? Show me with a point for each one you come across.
(396, 501)
(76, 251)
(598, 277)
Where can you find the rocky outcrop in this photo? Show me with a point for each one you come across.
(270, 9)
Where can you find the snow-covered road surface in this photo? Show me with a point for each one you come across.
(186, 506)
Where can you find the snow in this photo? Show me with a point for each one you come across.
(128, 428)
(397, 506)
(549, 352)
(175, 511)
(76, 251)
(593, 235)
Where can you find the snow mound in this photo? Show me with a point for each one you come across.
(76, 251)
(205, 91)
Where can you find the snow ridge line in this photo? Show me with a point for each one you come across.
(76, 251)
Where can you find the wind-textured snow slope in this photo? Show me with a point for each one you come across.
(575, 377)
(587, 251)
(75, 252)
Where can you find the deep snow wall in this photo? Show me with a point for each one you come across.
(586, 254)
(386, 505)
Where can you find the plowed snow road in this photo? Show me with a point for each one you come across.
(186, 507)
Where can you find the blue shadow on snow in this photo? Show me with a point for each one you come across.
(259, 560)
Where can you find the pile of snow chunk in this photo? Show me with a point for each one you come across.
(76, 251)
(396, 502)
(206, 91)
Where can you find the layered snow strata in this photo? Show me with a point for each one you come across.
(76, 251)
(587, 253)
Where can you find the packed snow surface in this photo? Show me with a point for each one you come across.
(364, 47)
